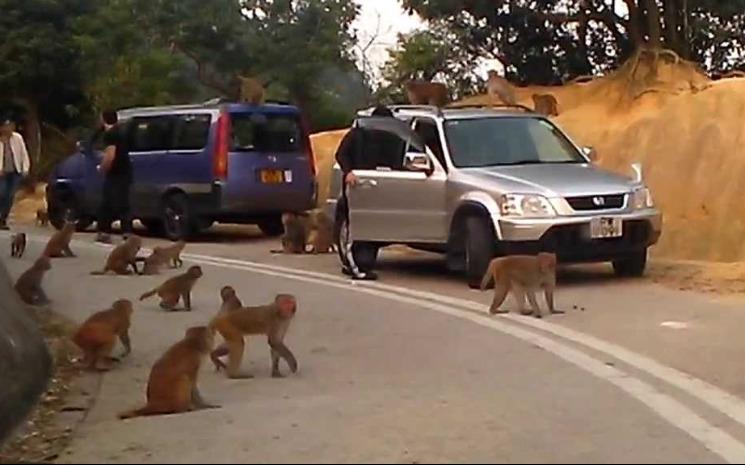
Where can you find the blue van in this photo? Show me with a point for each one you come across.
(196, 165)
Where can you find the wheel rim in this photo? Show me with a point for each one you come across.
(174, 217)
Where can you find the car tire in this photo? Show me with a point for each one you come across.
(153, 226)
(632, 266)
(272, 227)
(479, 249)
(178, 222)
(64, 206)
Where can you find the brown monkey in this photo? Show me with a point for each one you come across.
(546, 104)
(42, 218)
(28, 285)
(172, 386)
(18, 245)
(252, 91)
(522, 274)
(321, 236)
(59, 244)
(122, 257)
(427, 93)
(176, 289)
(230, 302)
(153, 263)
(295, 236)
(500, 88)
(172, 253)
(97, 336)
(273, 320)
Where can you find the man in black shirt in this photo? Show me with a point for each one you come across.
(363, 149)
(117, 169)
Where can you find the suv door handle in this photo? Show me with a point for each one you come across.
(367, 183)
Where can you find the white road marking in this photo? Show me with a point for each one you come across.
(677, 414)
(674, 324)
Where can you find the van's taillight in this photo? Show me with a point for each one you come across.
(305, 127)
(222, 147)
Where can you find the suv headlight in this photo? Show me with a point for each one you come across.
(526, 206)
(641, 198)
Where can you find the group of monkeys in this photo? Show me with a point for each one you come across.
(311, 232)
(499, 89)
(428, 93)
(172, 385)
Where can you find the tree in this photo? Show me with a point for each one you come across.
(40, 62)
(122, 65)
(432, 54)
(551, 40)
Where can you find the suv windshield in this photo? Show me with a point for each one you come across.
(501, 141)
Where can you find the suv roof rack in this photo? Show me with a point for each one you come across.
(399, 108)
(491, 106)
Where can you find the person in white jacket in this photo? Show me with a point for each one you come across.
(14, 166)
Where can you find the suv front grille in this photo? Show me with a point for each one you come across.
(597, 202)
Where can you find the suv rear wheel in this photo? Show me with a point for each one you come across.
(632, 266)
(479, 249)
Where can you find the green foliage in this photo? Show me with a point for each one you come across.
(549, 41)
(432, 54)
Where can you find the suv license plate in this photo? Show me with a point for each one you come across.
(272, 176)
(606, 228)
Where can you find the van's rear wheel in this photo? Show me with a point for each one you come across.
(272, 226)
(178, 221)
(479, 249)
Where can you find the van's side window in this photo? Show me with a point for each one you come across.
(190, 132)
(152, 134)
(257, 132)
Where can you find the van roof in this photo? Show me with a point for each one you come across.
(214, 105)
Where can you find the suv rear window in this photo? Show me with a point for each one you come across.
(260, 132)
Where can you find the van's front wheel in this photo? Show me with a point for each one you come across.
(178, 221)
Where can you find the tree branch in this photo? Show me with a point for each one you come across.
(203, 74)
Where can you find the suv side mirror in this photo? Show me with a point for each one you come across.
(590, 153)
(637, 169)
(414, 161)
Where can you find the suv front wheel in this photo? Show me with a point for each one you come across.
(479, 249)
(631, 266)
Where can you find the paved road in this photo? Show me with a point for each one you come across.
(411, 369)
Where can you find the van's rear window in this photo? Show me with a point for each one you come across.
(261, 132)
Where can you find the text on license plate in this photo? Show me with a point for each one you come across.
(275, 176)
(604, 228)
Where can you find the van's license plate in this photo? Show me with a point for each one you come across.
(272, 176)
(606, 228)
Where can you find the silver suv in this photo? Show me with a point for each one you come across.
(478, 182)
